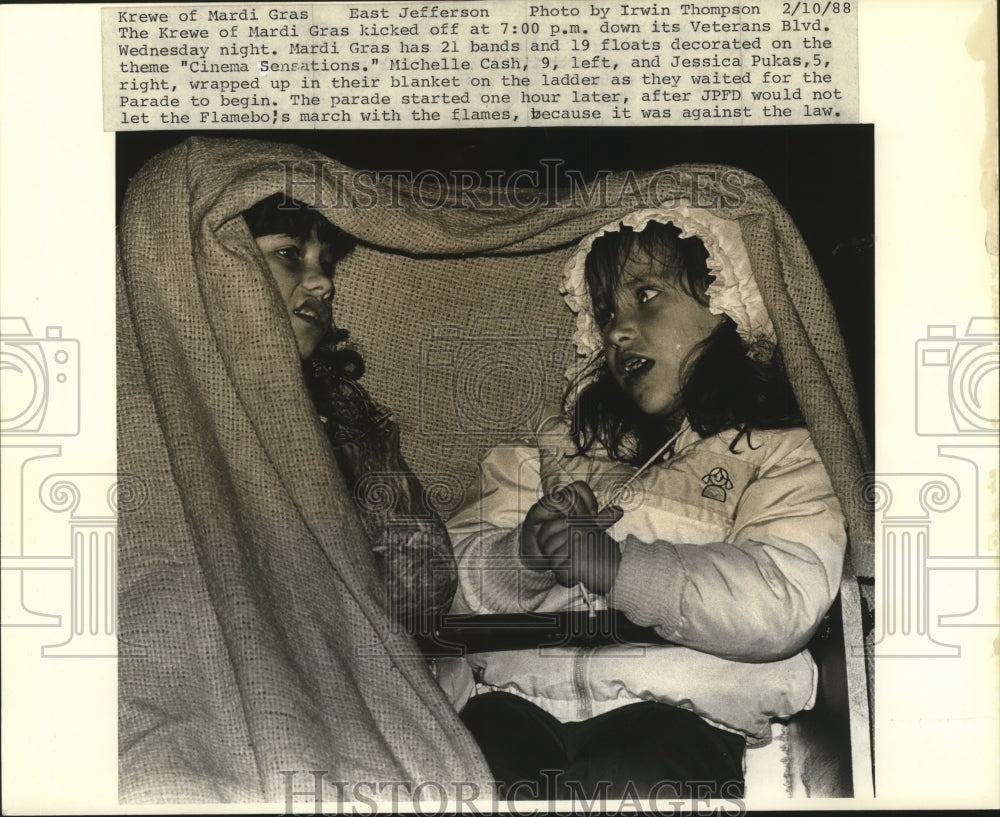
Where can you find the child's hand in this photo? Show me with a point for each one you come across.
(564, 532)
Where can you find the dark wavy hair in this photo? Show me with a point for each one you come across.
(280, 215)
(723, 387)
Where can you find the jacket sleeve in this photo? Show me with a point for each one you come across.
(759, 595)
(485, 534)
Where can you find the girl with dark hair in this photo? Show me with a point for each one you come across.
(723, 384)
(410, 542)
(682, 488)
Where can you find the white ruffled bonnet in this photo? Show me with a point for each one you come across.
(733, 290)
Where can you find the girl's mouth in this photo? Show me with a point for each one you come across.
(635, 366)
(314, 311)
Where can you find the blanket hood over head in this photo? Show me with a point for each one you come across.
(253, 616)
(255, 637)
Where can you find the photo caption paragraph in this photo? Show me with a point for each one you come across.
(472, 64)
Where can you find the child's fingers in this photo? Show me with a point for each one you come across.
(557, 501)
(584, 501)
(546, 531)
(544, 538)
(553, 539)
(607, 517)
(540, 524)
(550, 506)
(528, 544)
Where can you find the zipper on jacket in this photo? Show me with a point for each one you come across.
(584, 705)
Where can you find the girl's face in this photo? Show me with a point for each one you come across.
(303, 270)
(649, 330)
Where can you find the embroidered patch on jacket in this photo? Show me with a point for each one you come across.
(717, 482)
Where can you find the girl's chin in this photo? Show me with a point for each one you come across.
(658, 408)
(306, 346)
(307, 341)
(654, 405)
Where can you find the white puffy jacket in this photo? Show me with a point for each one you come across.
(732, 555)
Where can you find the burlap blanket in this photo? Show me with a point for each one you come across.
(255, 637)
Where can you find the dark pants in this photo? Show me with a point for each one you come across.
(645, 750)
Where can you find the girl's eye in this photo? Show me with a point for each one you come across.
(603, 316)
(288, 253)
(646, 294)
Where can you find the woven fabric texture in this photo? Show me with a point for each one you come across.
(255, 637)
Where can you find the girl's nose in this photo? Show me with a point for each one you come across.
(620, 329)
(317, 282)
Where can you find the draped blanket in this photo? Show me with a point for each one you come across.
(255, 637)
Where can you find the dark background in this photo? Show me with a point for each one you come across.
(823, 176)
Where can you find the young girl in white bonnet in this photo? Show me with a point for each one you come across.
(681, 488)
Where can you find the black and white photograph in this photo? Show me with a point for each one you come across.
(474, 407)
(428, 391)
